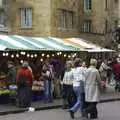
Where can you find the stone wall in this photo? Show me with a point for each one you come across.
(69, 5)
(41, 17)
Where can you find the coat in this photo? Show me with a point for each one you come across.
(26, 72)
(11, 76)
(103, 71)
(92, 84)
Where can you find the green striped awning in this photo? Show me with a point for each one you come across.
(15, 42)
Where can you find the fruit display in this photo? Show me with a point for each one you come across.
(7, 92)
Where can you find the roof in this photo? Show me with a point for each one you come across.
(86, 45)
(15, 42)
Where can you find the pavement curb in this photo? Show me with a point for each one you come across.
(109, 100)
(46, 107)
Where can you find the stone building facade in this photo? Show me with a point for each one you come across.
(99, 20)
(93, 20)
(44, 17)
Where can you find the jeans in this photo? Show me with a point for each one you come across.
(47, 91)
(79, 103)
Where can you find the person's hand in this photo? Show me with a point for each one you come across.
(61, 82)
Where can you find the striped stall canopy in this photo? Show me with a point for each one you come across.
(86, 45)
(15, 42)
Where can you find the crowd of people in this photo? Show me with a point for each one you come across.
(82, 84)
(79, 83)
(23, 78)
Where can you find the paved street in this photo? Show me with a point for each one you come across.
(107, 111)
(108, 95)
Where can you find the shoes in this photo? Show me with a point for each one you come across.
(93, 116)
(84, 114)
(71, 114)
(64, 107)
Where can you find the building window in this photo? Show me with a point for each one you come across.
(4, 2)
(2, 18)
(115, 24)
(106, 27)
(88, 4)
(116, 1)
(106, 4)
(26, 17)
(87, 26)
(63, 19)
(66, 19)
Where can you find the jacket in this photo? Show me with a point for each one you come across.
(92, 85)
(25, 72)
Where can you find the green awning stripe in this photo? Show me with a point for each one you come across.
(29, 45)
(47, 43)
(50, 43)
(7, 44)
(33, 43)
(45, 46)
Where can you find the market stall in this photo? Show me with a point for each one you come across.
(93, 50)
(35, 50)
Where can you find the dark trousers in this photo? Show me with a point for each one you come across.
(117, 86)
(68, 95)
(24, 96)
(84, 104)
(92, 109)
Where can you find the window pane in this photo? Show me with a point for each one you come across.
(66, 18)
(88, 4)
(26, 17)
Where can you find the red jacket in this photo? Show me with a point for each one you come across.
(27, 73)
(116, 70)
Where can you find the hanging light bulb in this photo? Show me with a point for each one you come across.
(35, 55)
(21, 61)
(58, 53)
(22, 53)
(69, 56)
(53, 55)
(41, 60)
(12, 56)
(43, 54)
(3, 54)
(48, 56)
(7, 54)
(17, 55)
(65, 55)
(75, 54)
(28, 55)
(32, 56)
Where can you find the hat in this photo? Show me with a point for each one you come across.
(25, 64)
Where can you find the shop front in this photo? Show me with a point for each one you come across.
(35, 50)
